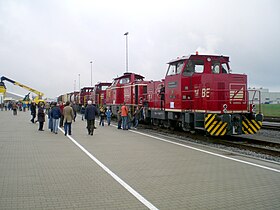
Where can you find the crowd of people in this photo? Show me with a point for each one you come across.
(64, 114)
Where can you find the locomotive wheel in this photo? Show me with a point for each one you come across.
(155, 122)
(166, 124)
(187, 127)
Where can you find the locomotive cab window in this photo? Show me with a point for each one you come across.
(192, 66)
(219, 68)
(104, 87)
(175, 68)
(224, 68)
(216, 68)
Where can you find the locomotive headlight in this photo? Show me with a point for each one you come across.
(225, 108)
(253, 108)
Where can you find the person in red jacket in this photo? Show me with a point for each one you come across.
(124, 114)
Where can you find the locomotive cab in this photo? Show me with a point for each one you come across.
(99, 93)
(129, 88)
(202, 93)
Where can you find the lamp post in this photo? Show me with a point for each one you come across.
(90, 73)
(126, 35)
(79, 82)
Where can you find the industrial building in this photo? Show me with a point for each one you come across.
(265, 96)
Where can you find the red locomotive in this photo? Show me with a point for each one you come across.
(129, 88)
(99, 93)
(202, 93)
(199, 92)
(85, 95)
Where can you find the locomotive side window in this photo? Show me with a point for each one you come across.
(124, 80)
(175, 68)
(224, 68)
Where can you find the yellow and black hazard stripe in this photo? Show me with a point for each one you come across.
(215, 127)
(250, 126)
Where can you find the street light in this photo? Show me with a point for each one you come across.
(126, 35)
(79, 82)
(90, 73)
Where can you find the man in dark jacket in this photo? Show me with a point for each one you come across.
(33, 111)
(90, 113)
(55, 115)
(41, 116)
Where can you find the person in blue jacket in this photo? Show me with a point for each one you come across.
(108, 115)
(55, 115)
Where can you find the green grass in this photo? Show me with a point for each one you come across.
(270, 110)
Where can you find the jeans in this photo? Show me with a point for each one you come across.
(124, 122)
(101, 121)
(109, 120)
(67, 127)
(136, 121)
(55, 125)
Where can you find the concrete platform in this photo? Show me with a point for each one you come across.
(116, 169)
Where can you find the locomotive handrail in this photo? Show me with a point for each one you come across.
(231, 99)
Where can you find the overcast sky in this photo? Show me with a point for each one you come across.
(46, 44)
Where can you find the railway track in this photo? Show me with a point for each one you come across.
(271, 125)
(245, 143)
(262, 146)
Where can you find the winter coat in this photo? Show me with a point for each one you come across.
(41, 114)
(55, 112)
(68, 114)
(33, 109)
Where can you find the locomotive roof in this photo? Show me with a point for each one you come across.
(213, 57)
(103, 83)
(127, 74)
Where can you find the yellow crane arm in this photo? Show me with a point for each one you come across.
(39, 94)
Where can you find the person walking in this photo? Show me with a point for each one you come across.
(14, 107)
(75, 108)
(68, 114)
(124, 114)
(33, 111)
(61, 107)
(47, 107)
(90, 113)
(83, 109)
(102, 116)
(41, 116)
(55, 115)
(50, 117)
(108, 115)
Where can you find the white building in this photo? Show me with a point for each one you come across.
(265, 96)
